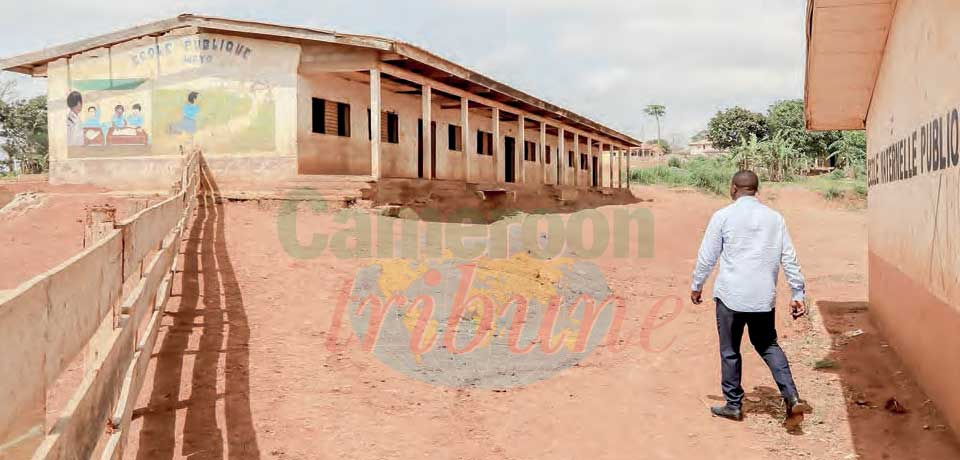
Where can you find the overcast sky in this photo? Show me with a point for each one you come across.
(605, 59)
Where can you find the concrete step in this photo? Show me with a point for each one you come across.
(308, 193)
(248, 195)
(332, 178)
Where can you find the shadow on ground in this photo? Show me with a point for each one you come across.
(890, 417)
(210, 329)
(765, 401)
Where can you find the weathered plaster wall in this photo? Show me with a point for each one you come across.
(914, 213)
(551, 167)
(140, 101)
(484, 170)
(328, 153)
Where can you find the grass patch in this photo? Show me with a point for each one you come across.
(826, 364)
(709, 175)
(835, 186)
(832, 193)
(861, 190)
(713, 175)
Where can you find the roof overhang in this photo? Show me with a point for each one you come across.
(420, 61)
(845, 46)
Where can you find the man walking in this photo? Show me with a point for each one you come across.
(751, 242)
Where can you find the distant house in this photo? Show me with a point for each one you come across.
(648, 150)
(704, 148)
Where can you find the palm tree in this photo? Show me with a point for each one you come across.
(656, 111)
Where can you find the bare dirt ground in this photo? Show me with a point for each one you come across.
(242, 369)
(41, 225)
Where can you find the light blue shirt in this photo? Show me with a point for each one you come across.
(751, 242)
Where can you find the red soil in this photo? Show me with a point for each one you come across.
(48, 228)
(244, 370)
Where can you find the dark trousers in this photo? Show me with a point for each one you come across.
(763, 336)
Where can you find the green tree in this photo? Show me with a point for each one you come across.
(850, 150)
(787, 117)
(775, 159)
(657, 111)
(23, 128)
(729, 128)
(664, 145)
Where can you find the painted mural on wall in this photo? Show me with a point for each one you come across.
(222, 117)
(110, 119)
(202, 90)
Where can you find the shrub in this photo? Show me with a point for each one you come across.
(832, 192)
(712, 175)
(861, 190)
(859, 170)
(837, 174)
(674, 162)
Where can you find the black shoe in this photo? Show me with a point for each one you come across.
(797, 407)
(727, 411)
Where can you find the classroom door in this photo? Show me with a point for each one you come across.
(596, 167)
(509, 159)
(433, 150)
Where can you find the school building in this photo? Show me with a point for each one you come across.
(890, 67)
(269, 104)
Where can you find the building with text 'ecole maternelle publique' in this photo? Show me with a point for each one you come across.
(890, 67)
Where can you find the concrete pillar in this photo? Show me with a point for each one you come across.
(427, 106)
(610, 165)
(620, 167)
(497, 150)
(629, 154)
(589, 162)
(522, 146)
(375, 150)
(613, 166)
(98, 223)
(576, 159)
(561, 155)
(543, 152)
(465, 139)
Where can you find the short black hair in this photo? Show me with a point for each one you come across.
(74, 99)
(746, 180)
(192, 97)
(137, 107)
(91, 108)
(119, 106)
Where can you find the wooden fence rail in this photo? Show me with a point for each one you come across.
(47, 322)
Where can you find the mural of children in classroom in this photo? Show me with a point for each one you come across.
(75, 130)
(121, 129)
(135, 119)
(118, 120)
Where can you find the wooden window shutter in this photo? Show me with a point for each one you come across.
(385, 126)
(330, 120)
